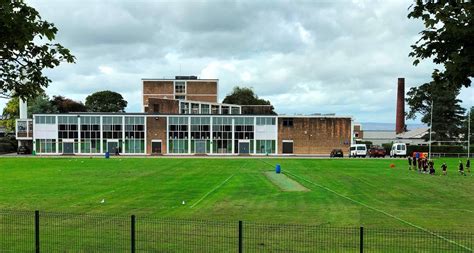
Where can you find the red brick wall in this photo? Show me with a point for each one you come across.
(316, 135)
(156, 130)
(165, 106)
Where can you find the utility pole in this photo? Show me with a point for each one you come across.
(431, 127)
(469, 133)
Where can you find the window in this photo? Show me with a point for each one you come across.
(178, 135)
(205, 109)
(45, 146)
(194, 108)
(134, 135)
(90, 134)
(179, 87)
(265, 146)
(235, 110)
(184, 108)
(225, 110)
(45, 119)
(262, 121)
(180, 97)
(288, 122)
(222, 135)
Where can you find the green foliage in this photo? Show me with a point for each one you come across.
(447, 39)
(65, 105)
(105, 101)
(367, 143)
(10, 113)
(8, 145)
(41, 104)
(246, 96)
(436, 149)
(26, 50)
(448, 115)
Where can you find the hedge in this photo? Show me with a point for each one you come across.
(8, 145)
(436, 149)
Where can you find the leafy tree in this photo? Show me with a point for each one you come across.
(448, 39)
(26, 50)
(448, 115)
(41, 104)
(105, 101)
(10, 113)
(66, 105)
(246, 96)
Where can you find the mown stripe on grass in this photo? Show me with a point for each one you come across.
(380, 211)
(211, 191)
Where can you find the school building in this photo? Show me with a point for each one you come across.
(181, 116)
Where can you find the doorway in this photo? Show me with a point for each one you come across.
(68, 147)
(112, 146)
(156, 147)
(244, 147)
(200, 146)
(287, 147)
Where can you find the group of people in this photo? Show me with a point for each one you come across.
(423, 165)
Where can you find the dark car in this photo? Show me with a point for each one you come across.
(336, 153)
(377, 152)
(23, 150)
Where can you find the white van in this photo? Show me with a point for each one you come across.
(358, 150)
(398, 149)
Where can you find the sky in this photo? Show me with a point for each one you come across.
(306, 57)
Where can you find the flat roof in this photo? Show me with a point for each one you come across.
(174, 79)
(186, 115)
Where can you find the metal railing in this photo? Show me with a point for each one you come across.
(23, 231)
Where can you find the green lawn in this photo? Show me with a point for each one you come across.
(157, 188)
(341, 192)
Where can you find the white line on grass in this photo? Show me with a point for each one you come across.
(211, 191)
(380, 211)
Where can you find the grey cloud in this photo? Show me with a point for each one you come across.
(305, 56)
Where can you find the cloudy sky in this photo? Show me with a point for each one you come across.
(340, 57)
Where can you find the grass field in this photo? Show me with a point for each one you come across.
(341, 192)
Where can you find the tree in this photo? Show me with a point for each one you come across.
(26, 50)
(41, 104)
(65, 105)
(105, 101)
(246, 96)
(448, 115)
(448, 39)
(10, 113)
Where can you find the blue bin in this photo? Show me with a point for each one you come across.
(278, 169)
(107, 155)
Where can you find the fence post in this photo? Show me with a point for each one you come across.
(37, 236)
(361, 243)
(240, 236)
(132, 235)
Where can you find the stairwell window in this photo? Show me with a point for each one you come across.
(180, 87)
(288, 122)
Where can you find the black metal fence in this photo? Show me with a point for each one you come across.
(22, 231)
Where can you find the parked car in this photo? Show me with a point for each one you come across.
(336, 153)
(377, 151)
(23, 150)
(358, 150)
(398, 149)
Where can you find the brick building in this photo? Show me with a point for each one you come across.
(182, 116)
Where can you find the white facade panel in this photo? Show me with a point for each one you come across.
(265, 132)
(45, 131)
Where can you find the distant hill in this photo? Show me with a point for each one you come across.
(371, 126)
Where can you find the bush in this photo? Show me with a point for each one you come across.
(8, 145)
(387, 147)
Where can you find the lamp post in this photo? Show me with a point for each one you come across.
(431, 127)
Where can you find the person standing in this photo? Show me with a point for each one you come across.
(409, 163)
(468, 166)
(414, 163)
(444, 167)
(461, 168)
(432, 170)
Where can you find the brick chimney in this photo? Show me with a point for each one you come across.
(400, 117)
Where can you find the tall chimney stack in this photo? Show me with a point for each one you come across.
(400, 120)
